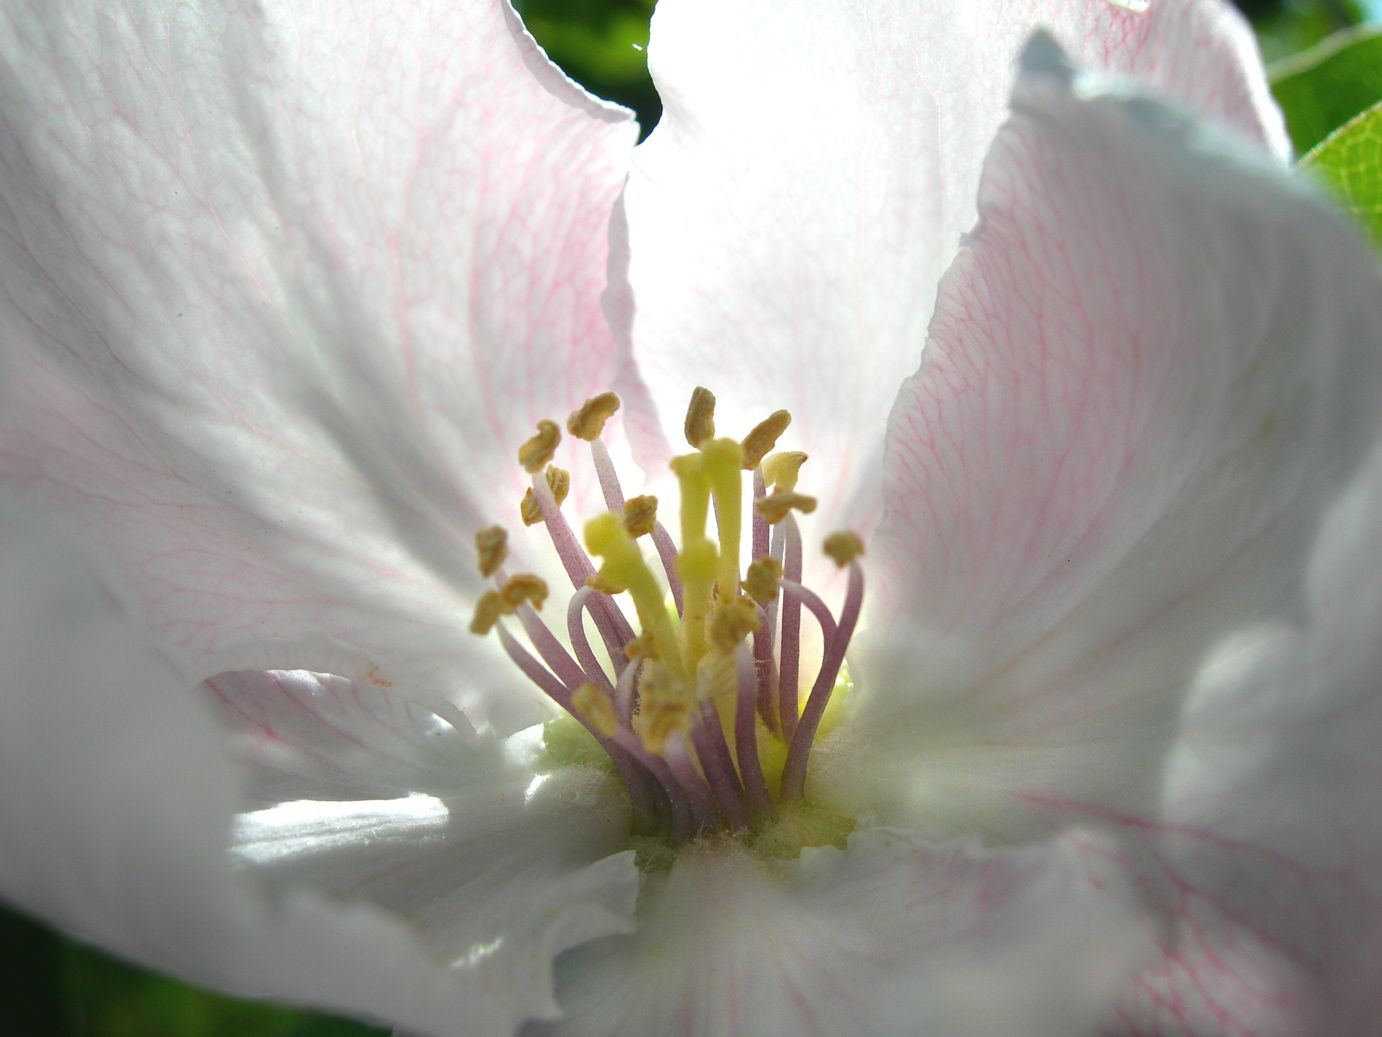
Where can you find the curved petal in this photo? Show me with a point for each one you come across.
(116, 800)
(890, 935)
(285, 286)
(366, 798)
(811, 177)
(1151, 370)
(1269, 845)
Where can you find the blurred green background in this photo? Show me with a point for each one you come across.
(51, 986)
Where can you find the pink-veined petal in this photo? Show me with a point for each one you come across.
(286, 285)
(1269, 843)
(812, 175)
(116, 806)
(889, 936)
(1153, 373)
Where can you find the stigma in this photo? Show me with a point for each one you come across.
(699, 701)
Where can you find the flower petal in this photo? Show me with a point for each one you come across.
(1269, 846)
(1152, 384)
(889, 936)
(811, 177)
(1152, 368)
(285, 287)
(366, 798)
(116, 798)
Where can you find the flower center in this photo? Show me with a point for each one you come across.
(699, 710)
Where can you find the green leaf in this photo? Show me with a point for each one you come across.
(1322, 88)
(1349, 164)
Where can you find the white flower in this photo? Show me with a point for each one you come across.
(285, 286)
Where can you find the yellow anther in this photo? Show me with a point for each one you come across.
(641, 647)
(603, 583)
(559, 482)
(487, 612)
(659, 719)
(597, 710)
(775, 506)
(537, 451)
(589, 421)
(764, 437)
(723, 463)
(492, 547)
(781, 469)
(843, 547)
(700, 416)
(524, 587)
(761, 579)
(529, 508)
(733, 621)
(640, 514)
(606, 537)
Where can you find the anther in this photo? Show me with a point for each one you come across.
(700, 416)
(537, 451)
(559, 482)
(764, 437)
(640, 515)
(732, 622)
(487, 612)
(596, 709)
(589, 421)
(659, 720)
(843, 547)
(491, 545)
(776, 505)
(641, 647)
(781, 469)
(529, 508)
(762, 579)
(524, 587)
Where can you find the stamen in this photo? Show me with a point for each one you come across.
(732, 622)
(537, 451)
(700, 416)
(764, 437)
(761, 580)
(843, 547)
(656, 706)
(775, 506)
(702, 800)
(640, 515)
(529, 508)
(708, 737)
(589, 421)
(745, 738)
(791, 635)
(580, 644)
(524, 587)
(491, 545)
(558, 481)
(781, 470)
(759, 547)
(487, 612)
(614, 628)
(794, 772)
(595, 709)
